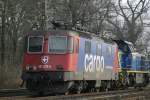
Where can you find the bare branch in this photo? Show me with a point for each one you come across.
(138, 4)
(130, 6)
(121, 8)
(143, 7)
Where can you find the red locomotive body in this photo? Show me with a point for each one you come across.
(46, 60)
(49, 56)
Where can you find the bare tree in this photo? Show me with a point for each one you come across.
(88, 14)
(18, 17)
(2, 33)
(98, 23)
(70, 12)
(131, 27)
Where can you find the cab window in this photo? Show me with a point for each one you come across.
(57, 44)
(70, 45)
(60, 44)
(35, 44)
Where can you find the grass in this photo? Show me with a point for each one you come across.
(10, 78)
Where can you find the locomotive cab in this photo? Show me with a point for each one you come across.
(139, 70)
(124, 54)
(132, 69)
(49, 56)
(53, 50)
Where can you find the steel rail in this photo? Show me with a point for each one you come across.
(99, 96)
(13, 92)
(109, 95)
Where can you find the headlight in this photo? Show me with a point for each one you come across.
(34, 68)
(29, 67)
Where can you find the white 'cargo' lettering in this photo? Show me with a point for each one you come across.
(94, 63)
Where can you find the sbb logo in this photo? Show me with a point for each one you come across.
(44, 59)
(94, 63)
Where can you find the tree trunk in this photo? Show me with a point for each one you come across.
(3, 34)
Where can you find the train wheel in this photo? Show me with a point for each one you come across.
(92, 90)
(41, 93)
(97, 90)
(79, 87)
(78, 92)
(67, 92)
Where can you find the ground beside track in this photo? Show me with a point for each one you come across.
(133, 94)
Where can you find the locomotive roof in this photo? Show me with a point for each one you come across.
(51, 32)
(137, 54)
(69, 33)
(60, 32)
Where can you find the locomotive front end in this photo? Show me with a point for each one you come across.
(49, 59)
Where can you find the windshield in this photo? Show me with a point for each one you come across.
(57, 44)
(60, 44)
(35, 44)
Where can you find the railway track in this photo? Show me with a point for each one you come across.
(115, 95)
(23, 94)
(13, 92)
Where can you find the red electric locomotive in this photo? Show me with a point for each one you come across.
(50, 59)
(59, 61)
